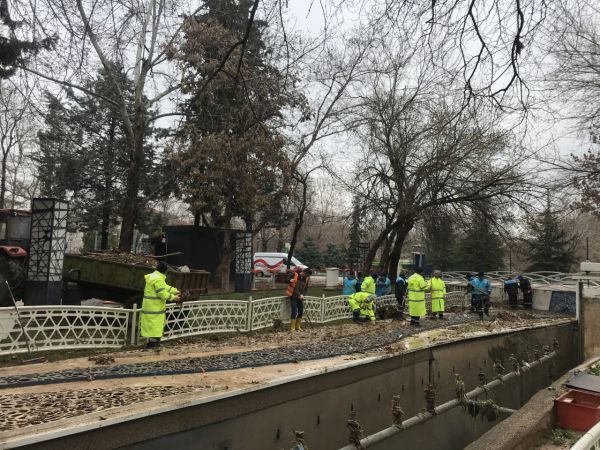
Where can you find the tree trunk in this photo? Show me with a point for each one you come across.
(223, 269)
(298, 223)
(374, 248)
(14, 180)
(401, 233)
(3, 180)
(105, 226)
(263, 241)
(385, 255)
(130, 204)
(108, 186)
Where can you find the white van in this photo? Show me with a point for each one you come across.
(266, 261)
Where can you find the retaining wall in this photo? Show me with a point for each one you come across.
(263, 418)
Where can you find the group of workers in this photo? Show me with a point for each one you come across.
(362, 296)
(379, 284)
(512, 286)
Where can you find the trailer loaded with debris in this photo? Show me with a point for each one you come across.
(119, 276)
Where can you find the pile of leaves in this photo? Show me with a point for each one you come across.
(123, 257)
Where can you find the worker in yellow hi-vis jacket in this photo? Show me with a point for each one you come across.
(156, 295)
(362, 305)
(437, 287)
(416, 296)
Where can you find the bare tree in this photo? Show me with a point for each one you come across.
(15, 128)
(424, 153)
(481, 43)
(337, 73)
(137, 36)
(573, 87)
(574, 48)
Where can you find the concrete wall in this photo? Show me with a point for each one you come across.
(591, 323)
(320, 405)
(554, 298)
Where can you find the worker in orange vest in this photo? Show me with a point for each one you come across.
(296, 291)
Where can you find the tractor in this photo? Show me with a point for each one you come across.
(15, 228)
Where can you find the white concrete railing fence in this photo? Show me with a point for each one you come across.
(73, 327)
(590, 440)
(560, 278)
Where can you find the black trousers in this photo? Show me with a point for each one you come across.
(512, 300)
(401, 303)
(297, 308)
(527, 300)
(482, 303)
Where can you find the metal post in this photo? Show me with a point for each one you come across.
(134, 314)
(580, 305)
(249, 311)
(587, 248)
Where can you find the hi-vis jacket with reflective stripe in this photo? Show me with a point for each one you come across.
(416, 295)
(365, 302)
(438, 291)
(156, 295)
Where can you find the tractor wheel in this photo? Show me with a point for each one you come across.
(13, 271)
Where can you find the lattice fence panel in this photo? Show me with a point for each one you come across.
(312, 309)
(205, 316)
(336, 308)
(265, 310)
(52, 327)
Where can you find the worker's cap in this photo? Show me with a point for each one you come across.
(419, 270)
(437, 273)
(307, 271)
(480, 274)
(162, 267)
(520, 277)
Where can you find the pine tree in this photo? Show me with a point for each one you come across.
(84, 150)
(550, 247)
(480, 249)
(13, 49)
(352, 251)
(309, 253)
(333, 257)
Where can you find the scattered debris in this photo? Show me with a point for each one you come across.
(102, 360)
(277, 324)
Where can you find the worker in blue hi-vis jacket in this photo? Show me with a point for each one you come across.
(349, 287)
(482, 290)
(383, 285)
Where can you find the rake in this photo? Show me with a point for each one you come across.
(30, 360)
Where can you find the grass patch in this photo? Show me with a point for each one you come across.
(562, 437)
(595, 370)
